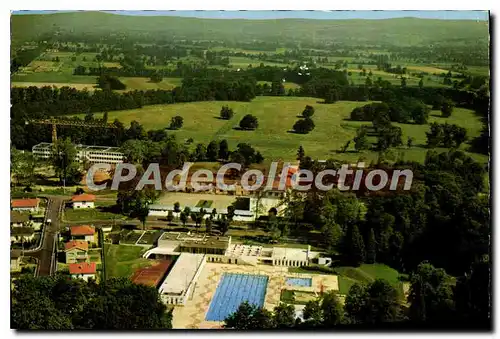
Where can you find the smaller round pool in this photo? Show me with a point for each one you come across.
(304, 282)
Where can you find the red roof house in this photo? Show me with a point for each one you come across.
(82, 230)
(82, 268)
(83, 198)
(83, 245)
(25, 203)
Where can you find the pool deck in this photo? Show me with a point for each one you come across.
(192, 315)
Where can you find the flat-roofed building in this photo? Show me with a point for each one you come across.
(181, 280)
(91, 154)
(194, 243)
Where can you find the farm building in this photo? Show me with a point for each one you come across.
(83, 201)
(83, 271)
(25, 205)
(76, 251)
(91, 154)
(83, 232)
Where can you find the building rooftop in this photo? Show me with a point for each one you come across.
(82, 268)
(80, 244)
(197, 240)
(289, 253)
(82, 230)
(182, 274)
(24, 203)
(151, 276)
(83, 197)
(48, 145)
(22, 230)
(18, 217)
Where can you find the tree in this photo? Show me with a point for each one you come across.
(55, 303)
(142, 213)
(223, 150)
(170, 216)
(312, 313)
(308, 111)
(156, 77)
(226, 113)
(63, 158)
(184, 217)
(249, 317)
(447, 108)
(284, 316)
(374, 304)
(431, 295)
(409, 142)
(332, 309)
(277, 88)
(176, 122)
(361, 140)
(355, 247)
(325, 311)
(371, 248)
(421, 83)
(300, 153)
(403, 82)
(177, 207)
(208, 225)
(200, 153)
(212, 150)
(249, 122)
(303, 126)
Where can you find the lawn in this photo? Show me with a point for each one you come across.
(366, 273)
(276, 117)
(297, 297)
(89, 215)
(137, 83)
(123, 260)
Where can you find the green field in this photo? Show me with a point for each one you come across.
(276, 117)
(80, 215)
(123, 260)
(366, 273)
(138, 83)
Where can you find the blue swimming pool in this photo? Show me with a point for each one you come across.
(233, 289)
(304, 282)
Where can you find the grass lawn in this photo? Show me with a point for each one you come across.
(276, 117)
(296, 297)
(123, 260)
(55, 77)
(367, 273)
(136, 83)
(89, 214)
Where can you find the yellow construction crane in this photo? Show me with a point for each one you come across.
(79, 123)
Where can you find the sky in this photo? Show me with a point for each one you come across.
(445, 15)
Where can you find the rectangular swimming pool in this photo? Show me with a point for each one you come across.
(233, 289)
(304, 282)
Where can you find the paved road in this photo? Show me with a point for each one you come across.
(45, 253)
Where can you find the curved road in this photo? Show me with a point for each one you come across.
(45, 253)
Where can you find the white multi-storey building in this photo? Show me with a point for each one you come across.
(92, 154)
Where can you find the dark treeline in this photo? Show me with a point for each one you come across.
(444, 218)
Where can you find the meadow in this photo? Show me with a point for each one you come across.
(123, 260)
(277, 115)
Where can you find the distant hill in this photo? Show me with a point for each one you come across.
(396, 32)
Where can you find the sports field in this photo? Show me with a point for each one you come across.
(276, 117)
